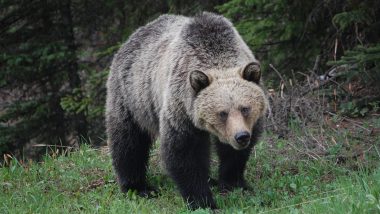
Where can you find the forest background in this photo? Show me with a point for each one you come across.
(55, 57)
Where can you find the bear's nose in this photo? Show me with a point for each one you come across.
(242, 138)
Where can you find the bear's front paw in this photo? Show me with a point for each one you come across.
(142, 191)
(148, 192)
(201, 203)
(226, 186)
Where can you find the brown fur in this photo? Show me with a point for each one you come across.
(184, 80)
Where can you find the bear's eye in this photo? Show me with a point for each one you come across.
(223, 115)
(245, 111)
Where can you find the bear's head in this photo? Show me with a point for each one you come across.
(228, 103)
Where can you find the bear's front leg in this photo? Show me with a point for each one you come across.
(232, 166)
(186, 158)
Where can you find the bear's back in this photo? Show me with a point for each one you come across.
(132, 79)
(215, 41)
(148, 35)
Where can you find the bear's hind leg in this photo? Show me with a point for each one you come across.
(130, 147)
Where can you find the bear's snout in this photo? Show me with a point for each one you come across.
(242, 138)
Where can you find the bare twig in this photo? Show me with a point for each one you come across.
(279, 75)
(316, 64)
(351, 121)
(270, 116)
(310, 155)
(306, 202)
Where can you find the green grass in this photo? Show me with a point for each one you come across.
(83, 181)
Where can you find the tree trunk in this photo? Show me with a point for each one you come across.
(79, 119)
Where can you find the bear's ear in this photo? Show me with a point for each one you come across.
(199, 80)
(252, 72)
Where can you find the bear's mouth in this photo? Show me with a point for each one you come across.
(237, 146)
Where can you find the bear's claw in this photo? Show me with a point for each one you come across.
(148, 192)
(145, 192)
(229, 186)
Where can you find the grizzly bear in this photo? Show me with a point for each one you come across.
(186, 81)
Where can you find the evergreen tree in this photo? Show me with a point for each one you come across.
(290, 34)
(38, 67)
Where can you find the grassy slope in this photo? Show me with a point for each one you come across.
(83, 181)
